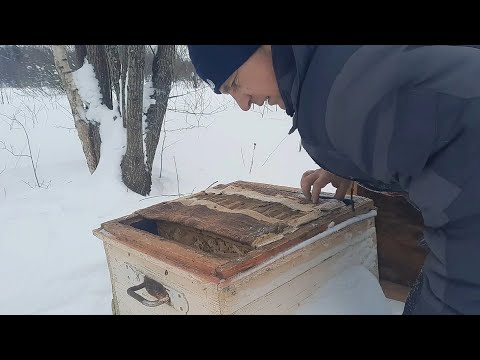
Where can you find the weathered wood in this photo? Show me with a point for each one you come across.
(286, 299)
(252, 214)
(236, 231)
(279, 285)
(275, 288)
(399, 231)
(237, 227)
(216, 245)
(283, 192)
(174, 244)
(157, 247)
(128, 268)
(263, 210)
(257, 256)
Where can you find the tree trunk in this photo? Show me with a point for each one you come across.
(88, 132)
(98, 58)
(162, 75)
(115, 71)
(81, 52)
(123, 52)
(134, 173)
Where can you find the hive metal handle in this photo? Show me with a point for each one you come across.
(154, 288)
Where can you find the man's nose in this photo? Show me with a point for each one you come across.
(243, 102)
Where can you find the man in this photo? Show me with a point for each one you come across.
(394, 118)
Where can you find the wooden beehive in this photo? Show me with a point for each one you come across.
(240, 248)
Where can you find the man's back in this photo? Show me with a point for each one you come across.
(408, 117)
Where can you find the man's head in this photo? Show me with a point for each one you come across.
(243, 71)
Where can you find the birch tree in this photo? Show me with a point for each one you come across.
(119, 71)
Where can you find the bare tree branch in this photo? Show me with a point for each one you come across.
(3, 147)
(211, 184)
(64, 127)
(189, 128)
(195, 113)
(27, 183)
(21, 152)
(268, 157)
(187, 93)
(38, 156)
(178, 182)
(253, 155)
(172, 144)
(33, 113)
(166, 195)
(161, 153)
(22, 155)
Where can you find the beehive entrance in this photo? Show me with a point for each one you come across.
(202, 240)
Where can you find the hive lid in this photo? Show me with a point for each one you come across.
(251, 214)
(252, 221)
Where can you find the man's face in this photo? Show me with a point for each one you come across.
(254, 82)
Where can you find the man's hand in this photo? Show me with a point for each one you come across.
(319, 179)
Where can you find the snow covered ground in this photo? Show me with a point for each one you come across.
(48, 251)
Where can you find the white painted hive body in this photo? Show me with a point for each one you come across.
(240, 248)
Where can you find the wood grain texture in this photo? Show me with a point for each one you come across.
(129, 269)
(240, 248)
(235, 226)
(181, 256)
(223, 234)
(278, 286)
(307, 231)
(251, 214)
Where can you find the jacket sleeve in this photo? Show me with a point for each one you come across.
(402, 113)
(412, 115)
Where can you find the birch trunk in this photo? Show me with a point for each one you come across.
(85, 129)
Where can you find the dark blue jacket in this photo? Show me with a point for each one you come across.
(400, 118)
